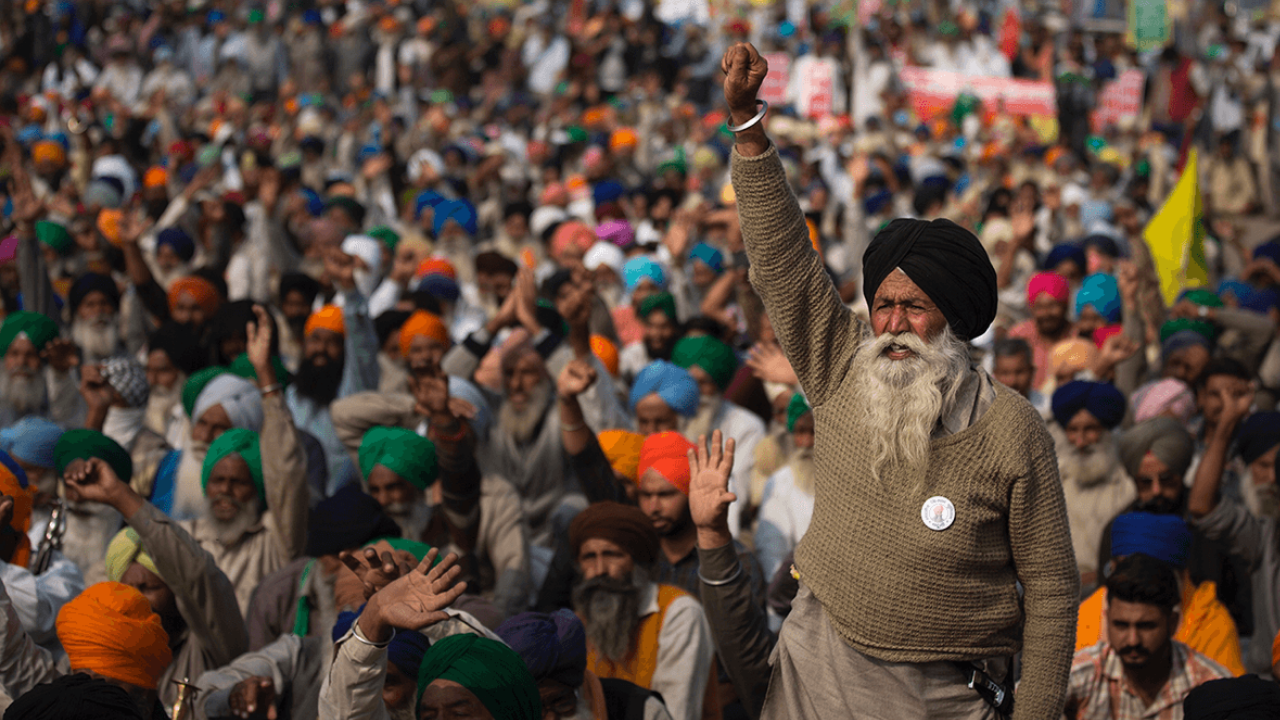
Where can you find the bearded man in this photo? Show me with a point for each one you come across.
(653, 635)
(37, 376)
(1047, 295)
(172, 356)
(90, 526)
(661, 330)
(936, 490)
(115, 394)
(786, 507)
(95, 317)
(1093, 481)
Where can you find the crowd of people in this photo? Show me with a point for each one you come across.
(404, 359)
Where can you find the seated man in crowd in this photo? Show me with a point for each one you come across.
(115, 394)
(787, 505)
(1047, 295)
(216, 401)
(37, 377)
(1014, 365)
(1139, 669)
(90, 526)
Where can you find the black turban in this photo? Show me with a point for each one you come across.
(1243, 698)
(89, 282)
(72, 697)
(946, 261)
(347, 521)
(181, 345)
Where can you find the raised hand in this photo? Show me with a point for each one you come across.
(96, 391)
(575, 378)
(258, 346)
(61, 354)
(1234, 408)
(341, 269)
(94, 480)
(376, 570)
(769, 364)
(254, 697)
(744, 72)
(414, 600)
(1127, 279)
(709, 495)
(526, 292)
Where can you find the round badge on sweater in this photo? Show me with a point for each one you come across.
(938, 513)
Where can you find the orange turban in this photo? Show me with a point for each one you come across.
(328, 318)
(1074, 355)
(572, 233)
(425, 324)
(48, 151)
(110, 629)
(198, 288)
(436, 266)
(622, 449)
(155, 177)
(607, 352)
(22, 502)
(623, 138)
(109, 224)
(668, 454)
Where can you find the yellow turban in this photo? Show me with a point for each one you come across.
(124, 550)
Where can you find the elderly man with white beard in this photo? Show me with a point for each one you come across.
(936, 493)
(38, 375)
(95, 317)
(1094, 482)
(787, 505)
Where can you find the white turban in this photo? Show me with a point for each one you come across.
(370, 251)
(604, 254)
(238, 397)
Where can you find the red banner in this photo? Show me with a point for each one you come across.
(933, 92)
(1119, 98)
(774, 88)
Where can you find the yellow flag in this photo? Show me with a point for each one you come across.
(1176, 237)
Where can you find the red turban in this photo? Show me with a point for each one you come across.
(623, 525)
(328, 318)
(425, 324)
(1052, 284)
(203, 291)
(572, 233)
(110, 629)
(667, 453)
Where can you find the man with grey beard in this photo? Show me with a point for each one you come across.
(173, 354)
(936, 491)
(1252, 525)
(636, 628)
(95, 317)
(38, 376)
(1094, 482)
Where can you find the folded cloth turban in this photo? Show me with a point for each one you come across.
(662, 302)
(82, 444)
(1175, 329)
(616, 232)
(796, 409)
(93, 282)
(367, 249)
(1159, 397)
(31, 440)
(1047, 283)
(672, 383)
(37, 328)
(1203, 297)
(196, 384)
(1163, 537)
(946, 261)
(1102, 293)
(127, 376)
(74, 696)
(1073, 355)
(1257, 435)
(603, 254)
(622, 449)
(1243, 698)
(1163, 437)
(639, 268)
(124, 550)
(667, 453)
(48, 151)
(572, 234)
(1065, 252)
(405, 651)
(200, 290)
(1103, 401)
(179, 241)
(426, 199)
(553, 646)
(240, 398)
(460, 212)
(385, 235)
(715, 358)
(328, 318)
(435, 266)
(241, 442)
(403, 452)
(624, 525)
(493, 672)
(110, 629)
(53, 236)
(13, 482)
(425, 324)
(347, 520)
(709, 256)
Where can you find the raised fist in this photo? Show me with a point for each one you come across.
(744, 71)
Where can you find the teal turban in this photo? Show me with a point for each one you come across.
(708, 353)
(493, 672)
(82, 444)
(401, 451)
(237, 441)
(796, 409)
(38, 328)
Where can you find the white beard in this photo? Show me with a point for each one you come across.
(25, 393)
(404, 712)
(1089, 467)
(803, 469)
(230, 532)
(898, 403)
(524, 424)
(412, 517)
(1262, 501)
(160, 404)
(98, 338)
(703, 421)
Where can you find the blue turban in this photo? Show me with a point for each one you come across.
(674, 385)
(426, 199)
(12, 466)
(1102, 400)
(1063, 252)
(607, 192)
(1163, 537)
(552, 646)
(1261, 301)
(709, 256)
(405, 651)
(1239, 288)
(31, 440)
(1257, 435)
(1102, 293)
(459, 211)
(1269, 250)
(178, 239)
(1182, 340)
(638, 268)
(439, 286)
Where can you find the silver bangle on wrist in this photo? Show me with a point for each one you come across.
(764, 108)
(737, 572)
(355, 633)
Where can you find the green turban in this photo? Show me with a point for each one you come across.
(1203, 298)
(493, 672)
(388, 237)
(404, 452)
(1203, 327)
(38, 328)
(124, 550)
(708, 353)
(237, 441)
(195, 385)
(659, 301)
(53, 236)
(796, 409)
(242, 367)
(82, 444)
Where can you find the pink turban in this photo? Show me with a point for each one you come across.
(1052, 284)
(1169, 397)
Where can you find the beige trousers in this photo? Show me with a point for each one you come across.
(816, 674)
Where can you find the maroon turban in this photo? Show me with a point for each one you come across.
(624, 525)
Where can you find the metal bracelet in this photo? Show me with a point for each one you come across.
(355, 633)
(737, 572)
(764, 108)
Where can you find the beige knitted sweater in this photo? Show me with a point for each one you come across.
(893, 588)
